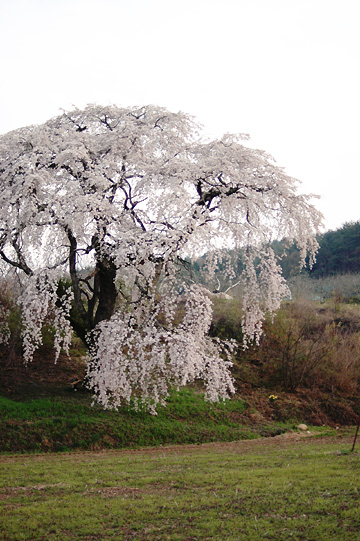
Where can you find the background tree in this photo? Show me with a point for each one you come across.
(128, 193)
(339, 251)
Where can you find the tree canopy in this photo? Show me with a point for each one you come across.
(113, 199)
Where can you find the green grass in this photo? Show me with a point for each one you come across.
(306, 491)
(70, 422)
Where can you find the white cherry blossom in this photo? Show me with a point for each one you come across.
(115, 199)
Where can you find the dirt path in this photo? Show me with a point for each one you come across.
(243, 446)
(283, 440)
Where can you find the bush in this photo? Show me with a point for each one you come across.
(292, 347)
(306, 346)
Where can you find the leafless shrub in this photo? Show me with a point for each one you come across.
(307, 345)
(292, 348)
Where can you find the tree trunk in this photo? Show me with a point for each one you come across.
(105, 277)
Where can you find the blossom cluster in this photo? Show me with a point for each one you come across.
(41, 304)
(136, 359)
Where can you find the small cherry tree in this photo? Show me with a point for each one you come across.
(128, 194)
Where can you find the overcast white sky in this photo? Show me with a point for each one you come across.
(284, 71)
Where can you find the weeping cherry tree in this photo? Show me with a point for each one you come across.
(113, 201)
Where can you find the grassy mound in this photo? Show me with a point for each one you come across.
(70, 422)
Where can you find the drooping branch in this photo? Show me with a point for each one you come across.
(20, 263)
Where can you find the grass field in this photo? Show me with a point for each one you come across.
(286, 487)
(196, 471)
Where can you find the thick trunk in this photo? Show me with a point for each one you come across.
(105, 278)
